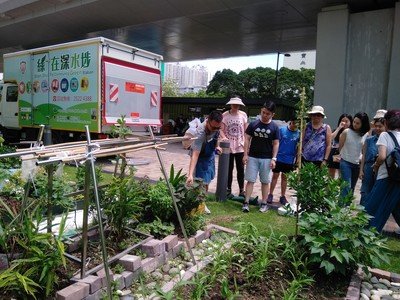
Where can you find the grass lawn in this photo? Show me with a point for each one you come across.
(229, 214)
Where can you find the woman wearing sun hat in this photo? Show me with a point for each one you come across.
(234, 124)
(316, 138)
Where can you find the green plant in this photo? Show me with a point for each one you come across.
(157, 228)
(12, 186)
(339, 239)
(60, 188)
(13, 282)
(40, 255)
(80, 176)
(176, 179)
(160, 201)
(8, 162)
(312, 185)
(120, 130)
(118, 269)
(122, 203)
(190, 197)
(194, 223)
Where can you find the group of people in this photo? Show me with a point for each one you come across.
(355, 148)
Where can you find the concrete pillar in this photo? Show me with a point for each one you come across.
(393, 98)
(330, 67)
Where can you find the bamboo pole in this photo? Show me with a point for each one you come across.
(300, 149)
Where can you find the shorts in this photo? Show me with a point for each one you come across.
(257, 166)
(282, 167)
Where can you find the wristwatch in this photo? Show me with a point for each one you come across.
(274, 158)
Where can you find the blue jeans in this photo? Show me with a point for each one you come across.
(349, 173)
(383, 200)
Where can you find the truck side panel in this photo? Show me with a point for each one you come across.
(60, 87)
(132, 91)
(74, 88)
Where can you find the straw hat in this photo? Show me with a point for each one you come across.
(235, 100)
(380, 113)
(317, 110)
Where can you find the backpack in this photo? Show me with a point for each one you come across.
(393, 167)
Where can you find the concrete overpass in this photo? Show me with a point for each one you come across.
(357, 41)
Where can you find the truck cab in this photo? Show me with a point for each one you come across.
(8, 108)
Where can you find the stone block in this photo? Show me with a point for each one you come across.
(192, 243)
(130, 262)
(161, 259)
(102, 274)
(73, 244)
(128, 278)
(223, 229)
(380, 273)
(98, 295)
(120, 280)
(94, 282)
(395, 277)
(149, 264)
(170, 242)
(200, 236)
(78, 290)
(153, 247)
(177, 249)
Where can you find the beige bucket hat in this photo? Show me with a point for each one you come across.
(235, 100)
(316, 109)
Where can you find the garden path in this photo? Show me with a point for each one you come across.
(146, 163)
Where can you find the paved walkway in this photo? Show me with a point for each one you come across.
(147, 164)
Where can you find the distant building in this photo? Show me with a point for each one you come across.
(298, 60)
(189, 79)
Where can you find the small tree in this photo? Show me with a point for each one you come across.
(170, 88)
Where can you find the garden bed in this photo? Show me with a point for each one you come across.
(221, 272)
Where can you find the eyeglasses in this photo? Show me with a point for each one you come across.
(214, 127)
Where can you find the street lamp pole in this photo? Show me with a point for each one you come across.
(277, 72)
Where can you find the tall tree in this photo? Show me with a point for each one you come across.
(225, 83)
(170, 88)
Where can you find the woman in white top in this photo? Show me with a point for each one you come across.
(384, 198)
(350, 146)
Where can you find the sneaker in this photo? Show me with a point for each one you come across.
(206, 210)
(263, 208)
(270, 198)
(245, 207)
(242, 194)
(283, 200)
(229, 194)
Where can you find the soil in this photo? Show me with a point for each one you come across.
(94, 256)
(275, 283)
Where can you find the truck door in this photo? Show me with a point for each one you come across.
(9, 106)
(40, 88)
(133, 91)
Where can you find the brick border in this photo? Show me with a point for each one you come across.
(354, 290)
(158, 252)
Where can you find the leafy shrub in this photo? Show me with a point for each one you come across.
(60, 189)
(157, 228)
(40, 255)
(122, 203)
(339, 239)
(312, 185)
(160, 201)
(194, 223)
(9, 162)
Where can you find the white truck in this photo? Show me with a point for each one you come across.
(89, 82)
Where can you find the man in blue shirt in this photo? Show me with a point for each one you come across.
(285, 160)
